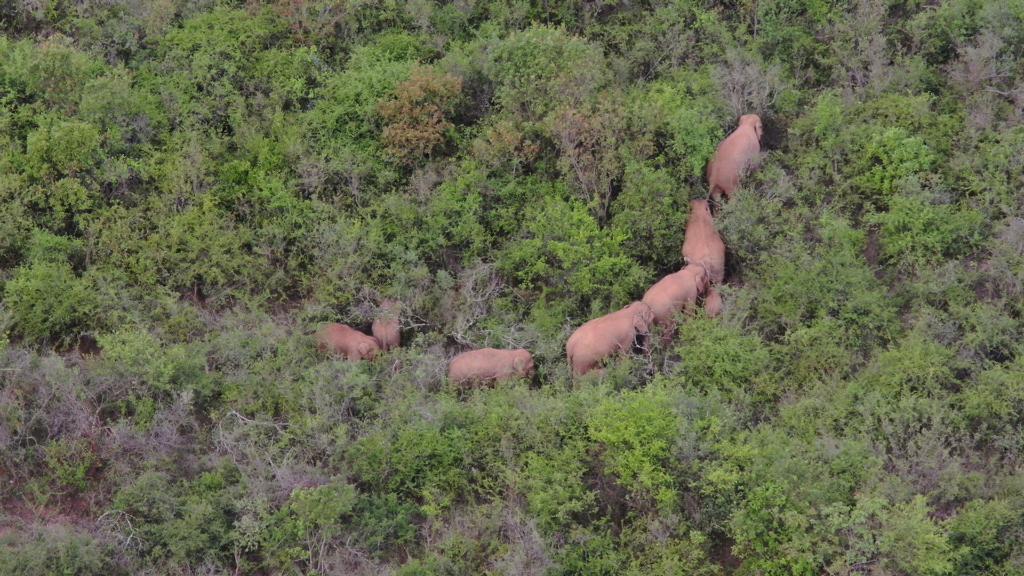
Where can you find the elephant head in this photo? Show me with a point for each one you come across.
(754, 121)
(643, 318)
(368, 348)
(523, 363)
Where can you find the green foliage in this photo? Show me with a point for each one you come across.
(554, 488)
(913, 543)
(70, 461)
(47, 301)
(886, 158)
(184, 522)
(647, 213)
(636, 433)
(916, 233)
(536, 69)
(62, 148)
(562, 253)
(56, 551)
(189, 188)
(721, 358)
(157, 369)
(685, 109)
(833, 281)
(200, 250)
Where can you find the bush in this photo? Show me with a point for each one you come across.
(916, 233)
(56, 550)
(648, 213)
(553, 485)
(887, 158)
(691, 117)
(49, 303)
(537, 69)
(722, 359)
(636, 432)
(911, 542)
(416, 121)
(563, 255)
(62, 148)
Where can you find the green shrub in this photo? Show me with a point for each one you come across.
(883, 160)
(687, 110)
(69, 462)
(315, 514)
(158, 370)
(385, 524)
(833, 280)
(56, 550)
(186, 522)
(915, 232)
(63, 148)
(562, 254)
(44, 246)
(58, 205)
(49, 303)
(916, 365)
(648, 213)
(554, 488)
(720, 358)
(979, 534)
(537, 69)
(636, 432)
(911, 542)
(201, 251)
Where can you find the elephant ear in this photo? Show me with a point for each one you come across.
(518, 363)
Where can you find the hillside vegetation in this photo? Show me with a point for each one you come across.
(190, 187)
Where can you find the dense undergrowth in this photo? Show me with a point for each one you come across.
(190, 186)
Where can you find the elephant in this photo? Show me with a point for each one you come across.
(613, 333)
(387, 326)
(713, 303)
(737, 154)
(346, 341)
(675, 293)
(489, 365)
(702, 244)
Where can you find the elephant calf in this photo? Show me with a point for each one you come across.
(674, 293)
(608, 335)
(702, 244)
(737, 154)
(489, 365)
(347, 342)
(387, 326)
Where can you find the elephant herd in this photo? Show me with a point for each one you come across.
(613, 334)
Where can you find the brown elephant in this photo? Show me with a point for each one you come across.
(702, 244)
(387, 326)
(489, 365)
(713, 303)
(608, 335)
(736, 155)
(675, 293)
(347, 342)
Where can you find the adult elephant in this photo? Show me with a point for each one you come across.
(702, 244)
(675, 293)
(606, 336)
(489, 365)
(736, 155)
(347, 342)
